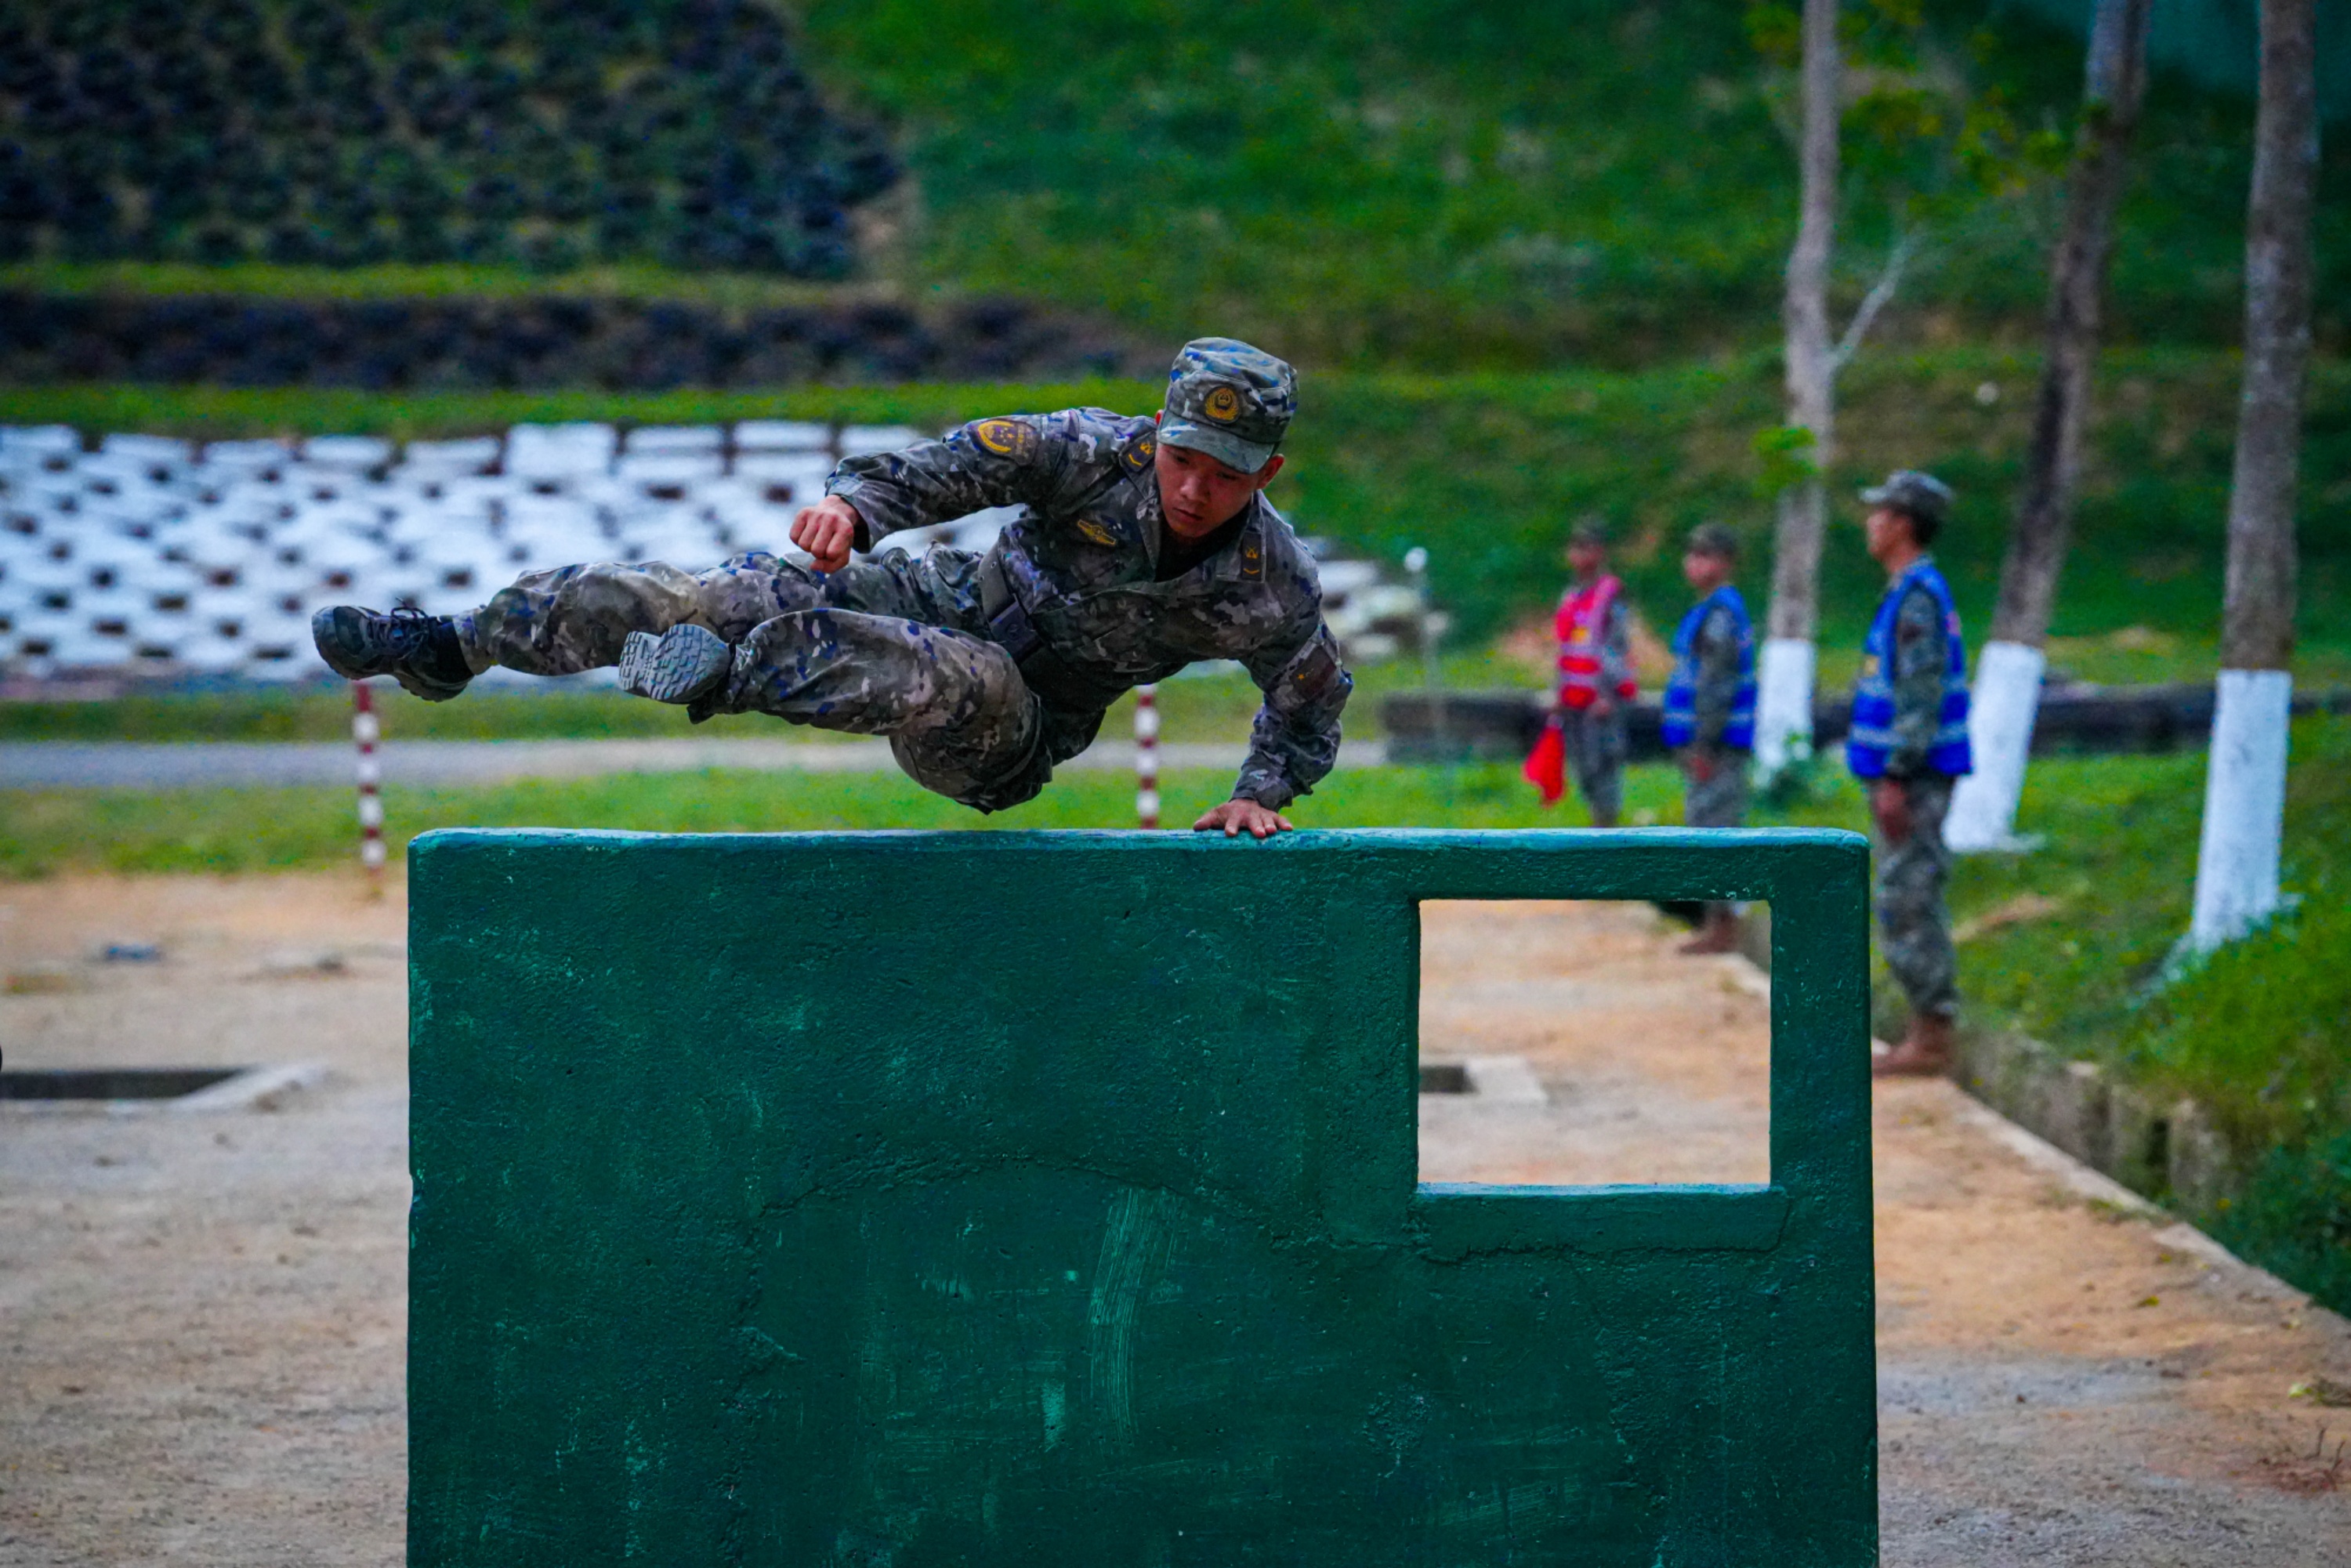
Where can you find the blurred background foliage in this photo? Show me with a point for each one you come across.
(1431, 184)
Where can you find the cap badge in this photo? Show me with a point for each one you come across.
(1223, 406)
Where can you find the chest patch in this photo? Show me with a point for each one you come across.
(1099, 532)
(1013, 438)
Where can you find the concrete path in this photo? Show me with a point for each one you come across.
(131, 765)
(202, 1316)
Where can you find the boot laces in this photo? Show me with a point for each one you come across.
(408, 630)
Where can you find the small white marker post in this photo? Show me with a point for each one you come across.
(364, 733)
(1146, 756)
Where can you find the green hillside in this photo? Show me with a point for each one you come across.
(1426, 184)
(542, 133)
(1457, 184)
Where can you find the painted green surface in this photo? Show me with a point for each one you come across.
(1049, 1198)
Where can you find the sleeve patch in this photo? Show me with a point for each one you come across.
(1013, 438)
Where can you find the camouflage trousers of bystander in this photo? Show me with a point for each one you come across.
(1912, 918)
(1596, 747)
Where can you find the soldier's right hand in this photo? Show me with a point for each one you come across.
(827, 532)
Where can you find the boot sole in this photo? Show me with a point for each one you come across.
(677, 666)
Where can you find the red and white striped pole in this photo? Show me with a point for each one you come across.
(364, 731)
(1146, 756)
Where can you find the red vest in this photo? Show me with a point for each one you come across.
(1582, 621)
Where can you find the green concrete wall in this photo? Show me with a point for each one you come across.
(1049, 1198)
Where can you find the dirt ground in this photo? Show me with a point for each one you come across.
(201, 1316)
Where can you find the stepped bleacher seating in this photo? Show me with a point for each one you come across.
(150, 552)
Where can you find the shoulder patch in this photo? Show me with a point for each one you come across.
(1252, 559)
(1139, 451)
(1013, 438)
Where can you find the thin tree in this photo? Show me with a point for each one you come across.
(1785, 682)
(2009, 671)
(2244, 790)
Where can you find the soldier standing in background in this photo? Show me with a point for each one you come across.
(1907, 746)
(1710, 711)
(1145, 545)
(1595, 675)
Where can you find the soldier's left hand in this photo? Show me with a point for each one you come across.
(1242, 816)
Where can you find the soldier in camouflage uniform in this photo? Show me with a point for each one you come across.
(1143, 546)
(1709, 706)
(1908, 745)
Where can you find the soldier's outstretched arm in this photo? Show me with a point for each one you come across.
(1008, 461)
(1294, 742)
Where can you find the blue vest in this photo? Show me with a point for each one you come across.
(1681, 692)
(1871, 736)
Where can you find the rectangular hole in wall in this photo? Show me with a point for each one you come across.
(110, 1082)
(1575, 1044)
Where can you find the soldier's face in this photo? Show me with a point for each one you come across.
(1886, 533)
(1198, 494)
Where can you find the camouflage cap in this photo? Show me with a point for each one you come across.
(1714, 539)
(1229, 401)
(1907, 490)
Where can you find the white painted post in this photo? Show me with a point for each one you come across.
(2006, 700)
(2244, 781)
(2244, 806)
(1415, 566)
(1146, 757)
(364, 734)
(1783, 703)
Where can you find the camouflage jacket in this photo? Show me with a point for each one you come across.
(1082, 559)
(1719, 676)
(1922, 654)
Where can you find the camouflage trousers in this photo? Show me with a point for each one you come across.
(1911, 917)
(888, 646)
(1595, 754)
(1720, 801)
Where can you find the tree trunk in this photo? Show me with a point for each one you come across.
(2244, 790)
(1786, 678)
(2008, 677)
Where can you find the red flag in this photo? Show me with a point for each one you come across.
(1546, 764)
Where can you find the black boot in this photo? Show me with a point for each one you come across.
(417, 649)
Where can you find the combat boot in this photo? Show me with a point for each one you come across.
(679, 665)
(417, 649)
(1926, 1051)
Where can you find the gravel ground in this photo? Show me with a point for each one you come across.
(202, 1317)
